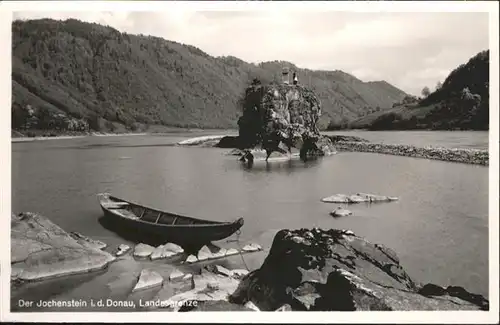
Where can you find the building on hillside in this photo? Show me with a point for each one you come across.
(285, 75)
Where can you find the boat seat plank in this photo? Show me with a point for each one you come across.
(158, 218)
(126, 213)
(114, 205)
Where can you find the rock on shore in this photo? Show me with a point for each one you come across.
(336, 270)
(148, 279)
(207, 287)
(143, 250)
(165, 251)
(40, 249)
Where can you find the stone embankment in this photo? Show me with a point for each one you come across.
(467, 156)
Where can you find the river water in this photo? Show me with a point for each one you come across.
(439, 227)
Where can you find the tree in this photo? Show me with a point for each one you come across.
(425, 91)
(19, 117)
(439, 85)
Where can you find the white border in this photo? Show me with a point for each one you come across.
(6, 8)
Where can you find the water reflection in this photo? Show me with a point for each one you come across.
(287, 166)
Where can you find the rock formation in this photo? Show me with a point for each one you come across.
(122, 249)
(340, 212)
(143, 250)
(278, 117)
(40, 250)
(148, 279)
(165, 251)
(335, 270)
(358, 198)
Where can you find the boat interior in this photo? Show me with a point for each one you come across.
(136, 212)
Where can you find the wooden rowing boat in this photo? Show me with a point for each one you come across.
(169, 226)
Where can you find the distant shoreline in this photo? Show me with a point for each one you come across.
(62, 136)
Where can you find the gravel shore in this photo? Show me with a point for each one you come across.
(467, 156)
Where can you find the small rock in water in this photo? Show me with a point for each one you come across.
(340, 212)
(148, 279)
(171, 247)
(252, 247)
(122, 249)
(164, 251)
(376, 198)
(231, 251)
(337, 198)
(220, 253)
(356, 199)
(191, 259)
(143, 250)
(188, 276)
(175, 275)
(168, 253)
(222, 270)
(239, 273)
(157, 253)
(252, 306)
(204, 253)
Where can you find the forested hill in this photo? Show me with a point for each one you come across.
(74, 75)
(460, 102)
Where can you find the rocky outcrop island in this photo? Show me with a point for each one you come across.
(279, 117)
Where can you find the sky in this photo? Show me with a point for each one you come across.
(408, 50)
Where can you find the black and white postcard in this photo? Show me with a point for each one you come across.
(161, 160)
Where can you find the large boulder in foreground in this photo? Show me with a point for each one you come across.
(40, 249)
(335, 270)
(281, 114)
